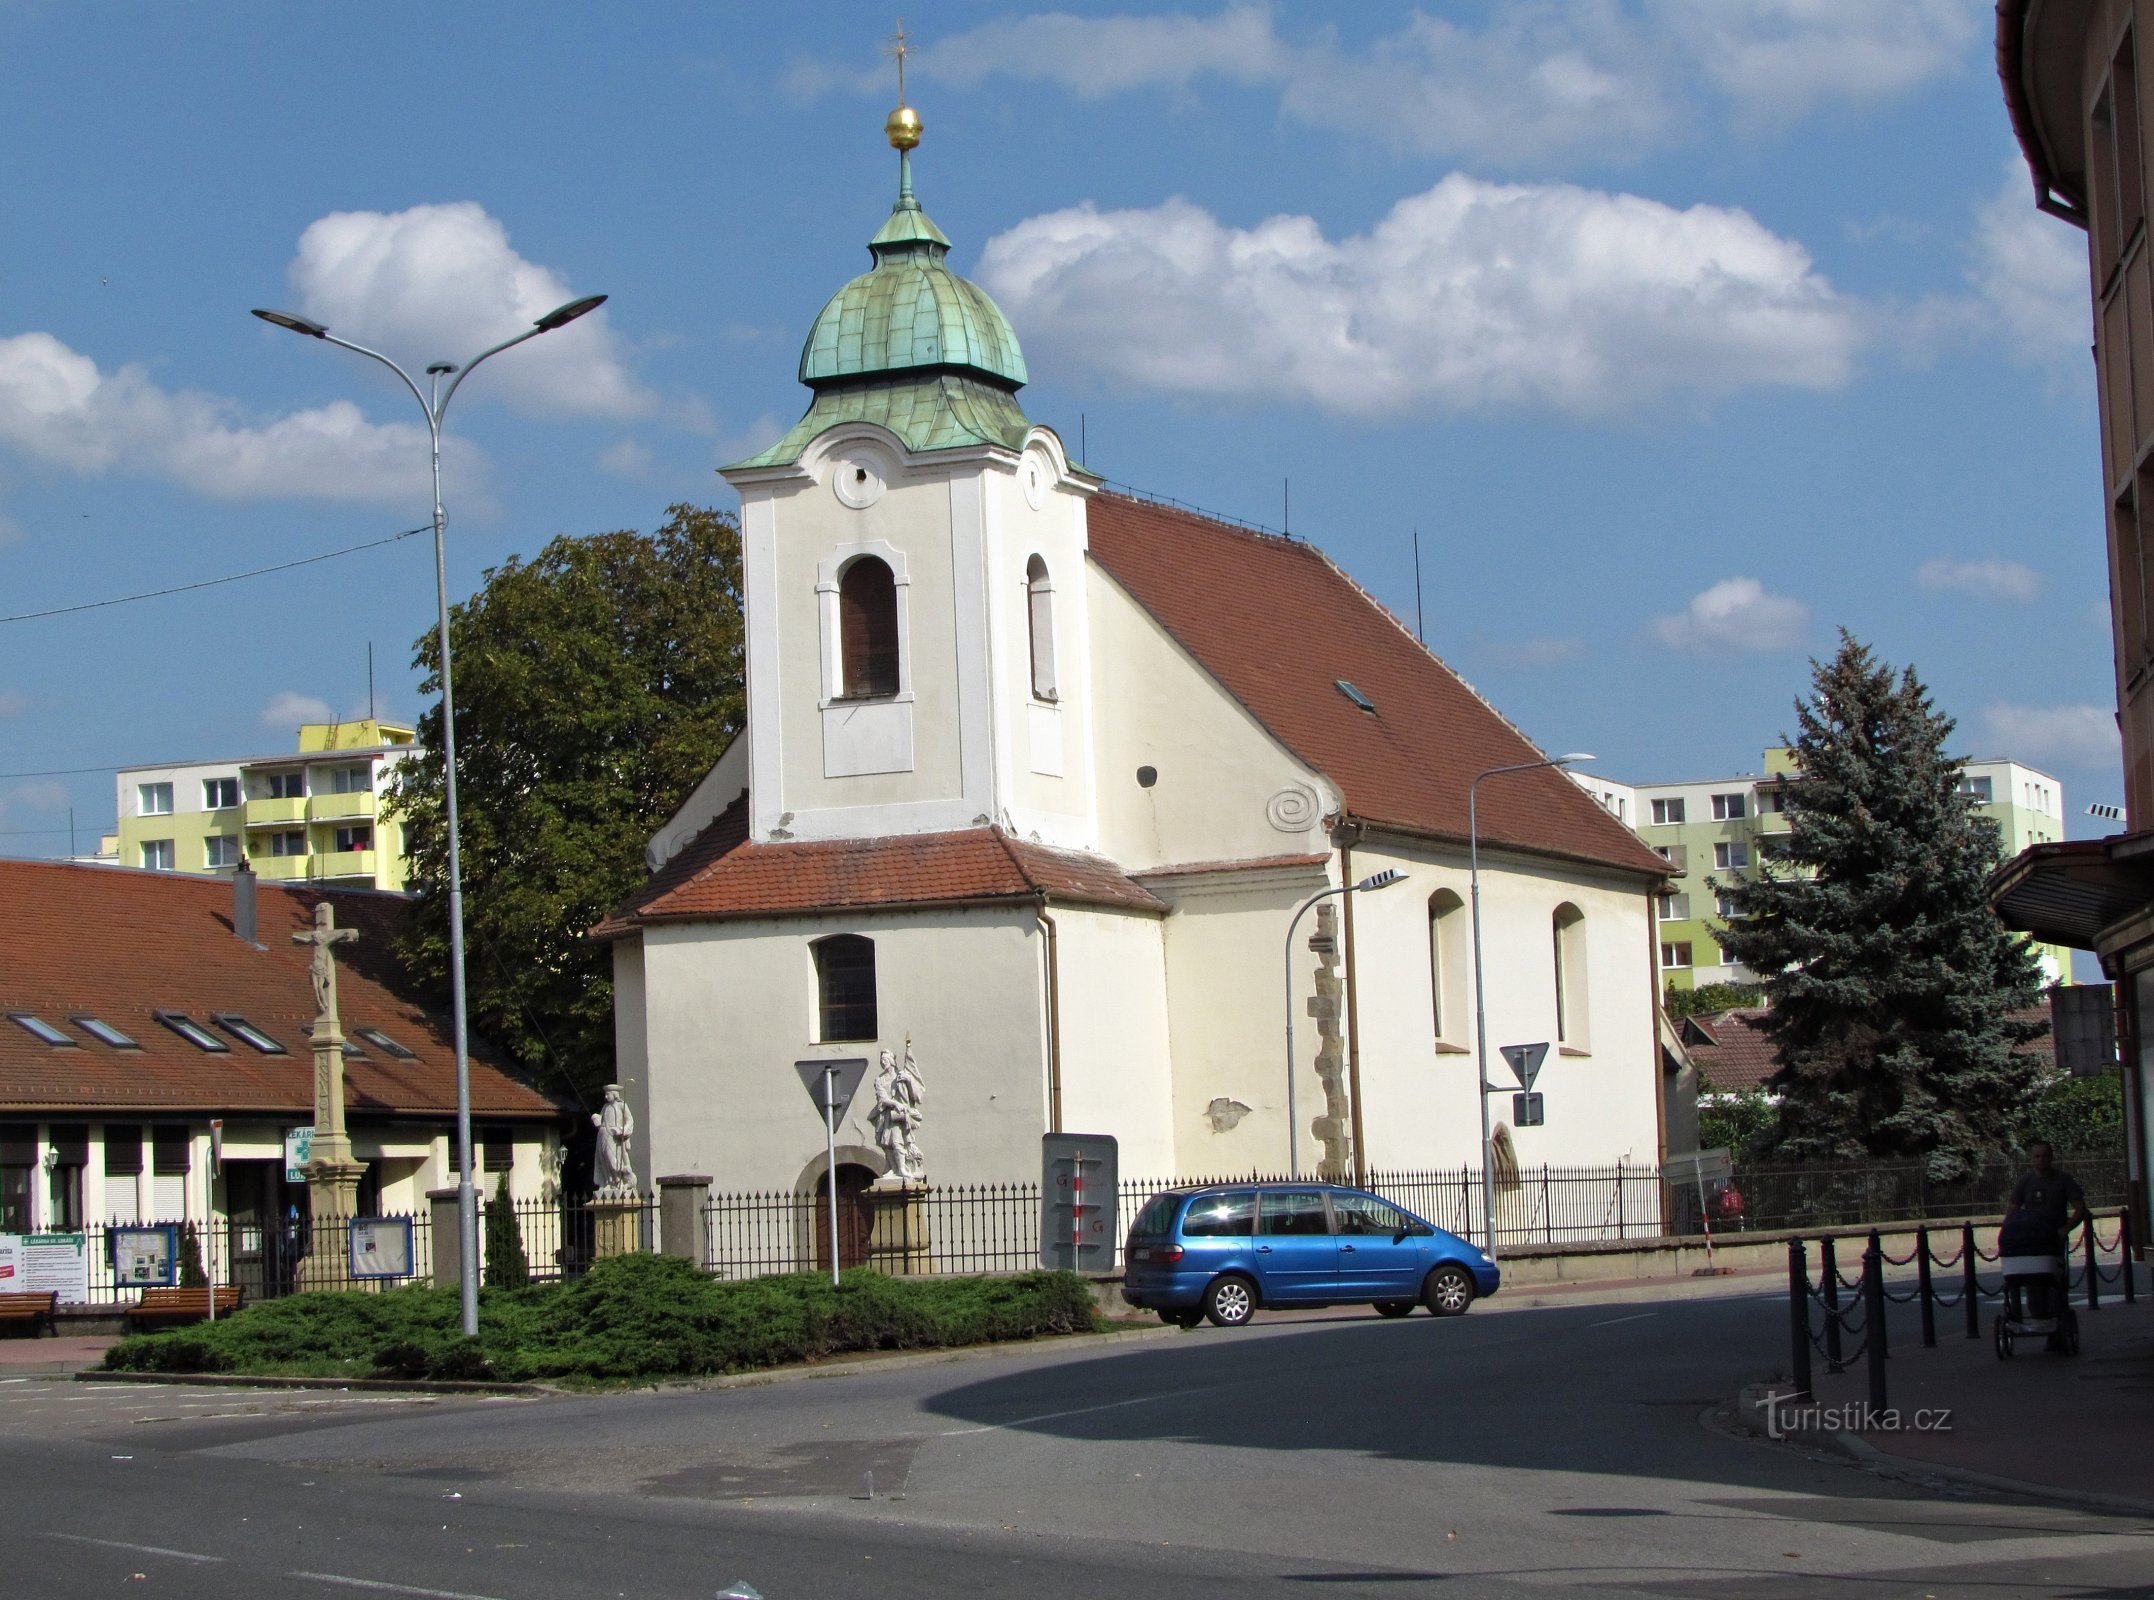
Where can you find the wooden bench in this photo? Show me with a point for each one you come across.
(34, 1306)
(183, 1305)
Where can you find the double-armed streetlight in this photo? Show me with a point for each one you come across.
(434, 400)
(1480, 1008)
(1375, 880)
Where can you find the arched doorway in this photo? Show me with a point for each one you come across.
(855, 1217)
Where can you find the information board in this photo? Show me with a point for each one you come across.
(1078, 1225)
(37, 1263)
(145, 1258)
(381, 1247)
(298, 1151)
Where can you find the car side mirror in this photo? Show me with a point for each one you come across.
(1399, 1237)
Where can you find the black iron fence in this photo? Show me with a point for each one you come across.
(1836, 1195)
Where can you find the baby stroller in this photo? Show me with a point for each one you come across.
(2037, 1287)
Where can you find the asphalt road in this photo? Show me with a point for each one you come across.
(1543, 1452)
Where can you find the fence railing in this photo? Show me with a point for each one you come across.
(1833, 1195)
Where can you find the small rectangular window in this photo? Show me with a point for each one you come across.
(293, 843)
(350, 839)
(352, 780)
(39, 1028)
(247, 1033)
(1731, 856)
(1675, 955)
(220, 850)
(1674, 907)
(104, 1032)
(220, 794)
(287, 786)
(1360, 700)
(1667, 812)
(192, 1031)
(1771, 802)
(169, 1151)
(153, 799)
(496, 1146)
(123, 1148)
(1980, 789)
(157, 855)
(1730, 807)
(386, 1045)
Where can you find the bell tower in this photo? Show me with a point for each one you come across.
(914, 554)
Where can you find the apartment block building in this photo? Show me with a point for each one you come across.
(311, 816)
(1715, 831)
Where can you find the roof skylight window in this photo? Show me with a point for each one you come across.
(39, 1028)
(104, 1032)
(386, 1045)
(1355, 695)
(246, 1032)
(193, 1032)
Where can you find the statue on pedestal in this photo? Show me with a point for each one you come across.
(897, 1115)
(613, 1173)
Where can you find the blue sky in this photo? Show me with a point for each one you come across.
(1683, 331)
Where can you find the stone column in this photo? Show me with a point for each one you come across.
(1333, 1129)
(898, 1241)
(616, 1226)
(448, 1241)
(681, 1199)
(332, 1175)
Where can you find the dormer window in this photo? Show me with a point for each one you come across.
(867, 629)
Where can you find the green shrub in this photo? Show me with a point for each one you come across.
(191, 1275)
(507, 1267)
(636, 1317)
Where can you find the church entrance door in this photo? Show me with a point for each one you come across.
(855, 1218)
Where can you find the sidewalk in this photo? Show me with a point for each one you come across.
(50, 1358)
(2080, 1427)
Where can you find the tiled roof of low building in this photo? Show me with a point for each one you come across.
(1734, 1054)
(121, 945)
(721, 874)
(1279, 625)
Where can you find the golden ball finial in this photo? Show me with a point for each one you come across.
(903, 128)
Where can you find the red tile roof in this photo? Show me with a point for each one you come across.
(1731, 1050)
(1277, 623)
(721, 874)
(121, 945)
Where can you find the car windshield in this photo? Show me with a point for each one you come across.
(1157, 1215)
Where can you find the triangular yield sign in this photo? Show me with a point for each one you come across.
(832, 1084)
(1525, 1060)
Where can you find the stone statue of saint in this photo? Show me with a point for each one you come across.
(612, 1172)
(322, 966)
(897, 1115)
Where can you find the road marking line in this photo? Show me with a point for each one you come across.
(139, 1549)
(388, 1588)
(1612, 1321)
(1079, 1411)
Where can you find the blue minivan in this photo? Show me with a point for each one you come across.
(1223, 1250)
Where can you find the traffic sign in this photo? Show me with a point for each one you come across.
(1525, 1061)
(1526, 1111)
(818, 1078)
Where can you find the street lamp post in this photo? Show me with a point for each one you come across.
(1375, 880)
(1480, 1008)
(433, 401)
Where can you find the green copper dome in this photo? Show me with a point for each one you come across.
(909, 312)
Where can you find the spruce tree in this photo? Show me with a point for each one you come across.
(507, 1266)
(1890, 980)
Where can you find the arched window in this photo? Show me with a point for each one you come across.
(1569, 929)
(1448, 943)
(844, 988)
(867, 629)
(1040, 627)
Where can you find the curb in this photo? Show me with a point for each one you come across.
(1749, 1406)
(242, 1380)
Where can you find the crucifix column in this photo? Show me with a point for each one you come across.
(332, 1175)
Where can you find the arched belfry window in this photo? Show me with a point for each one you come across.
(844, 988)
(1040, 627)
(867, 629)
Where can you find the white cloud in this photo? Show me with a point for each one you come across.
(1986, 580)
(2029, 273)
(2068, 735)
(289, 708)
(1529, 81)
(58, 408)
(1734, 614)
(42, 795)
(441, 283)
(1469, 296)
(626, 459)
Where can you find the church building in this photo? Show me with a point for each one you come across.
(1036, 776)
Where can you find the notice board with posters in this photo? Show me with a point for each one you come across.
(381, 1247)
(145, 1258)
(39, 1263)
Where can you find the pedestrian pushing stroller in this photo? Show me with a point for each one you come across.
(2037, 1287)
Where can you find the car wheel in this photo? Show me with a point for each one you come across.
(1394, 1308)
(1230, 1301)
(1448, 1291)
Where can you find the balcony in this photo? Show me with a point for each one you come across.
(280, 869)
(341, 807)
(344, 864)
(273, 813)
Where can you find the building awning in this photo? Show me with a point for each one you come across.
(2067, 893)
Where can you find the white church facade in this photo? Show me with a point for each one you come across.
(1035, 777)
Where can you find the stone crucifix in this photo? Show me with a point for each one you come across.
(332, 1175)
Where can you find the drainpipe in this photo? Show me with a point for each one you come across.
(1353, 1017)
(1054, 1023)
